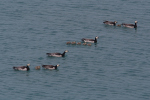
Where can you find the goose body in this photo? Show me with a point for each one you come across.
(90, 40)
(79, 43)
(119, 25)
(89, 44)
(23, 68)
(130, 25)
(110, 23)
(37, 67)
(84, 43)
(50, 66)
(57, 54)
(68, 42)
(74, 43)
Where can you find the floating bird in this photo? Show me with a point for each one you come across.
(23, 68)
(84, 43)
(50, 66)
(57, 54)
(79, 43)
(119, 25)
(37, 67)
(130, 25)
(68, 42)
(90, 40)
(110, 23)
(89, 44)
(74, 43)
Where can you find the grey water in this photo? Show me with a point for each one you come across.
(115, 68)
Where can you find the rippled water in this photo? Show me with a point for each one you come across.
(116, 68)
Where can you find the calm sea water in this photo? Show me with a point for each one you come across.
(116, 68)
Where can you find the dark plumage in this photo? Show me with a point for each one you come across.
(57, 54)
(110, 23)
(90, 40)
(23, 68)
(130, 25)
(50, 66)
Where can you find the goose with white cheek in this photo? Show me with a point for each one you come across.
(90, 40)
(57, 54)
(23, 68)
(130, 25)
(110, 23)
(50, 66)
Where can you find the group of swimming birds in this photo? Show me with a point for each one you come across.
(85, 40)
(26, 68)
(123, 24)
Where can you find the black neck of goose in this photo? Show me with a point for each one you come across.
(114, 24)
(63, 54)
(95, 40)
(28, 68)
(56, 67)
(135, 26)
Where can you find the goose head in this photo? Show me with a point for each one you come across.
(96, 37)
(28, 64)
(136, 21)
(66, 51)
(57, 65)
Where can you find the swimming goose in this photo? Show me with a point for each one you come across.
(79, 43)
(50, 66)
(68, 42)
(110, 23)
(57, 54)
(130, 25)
(23, 68)
(90, 40)
(73, 43)
(89, 44)
(119, 25)
(37, 67)
(84, 43)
